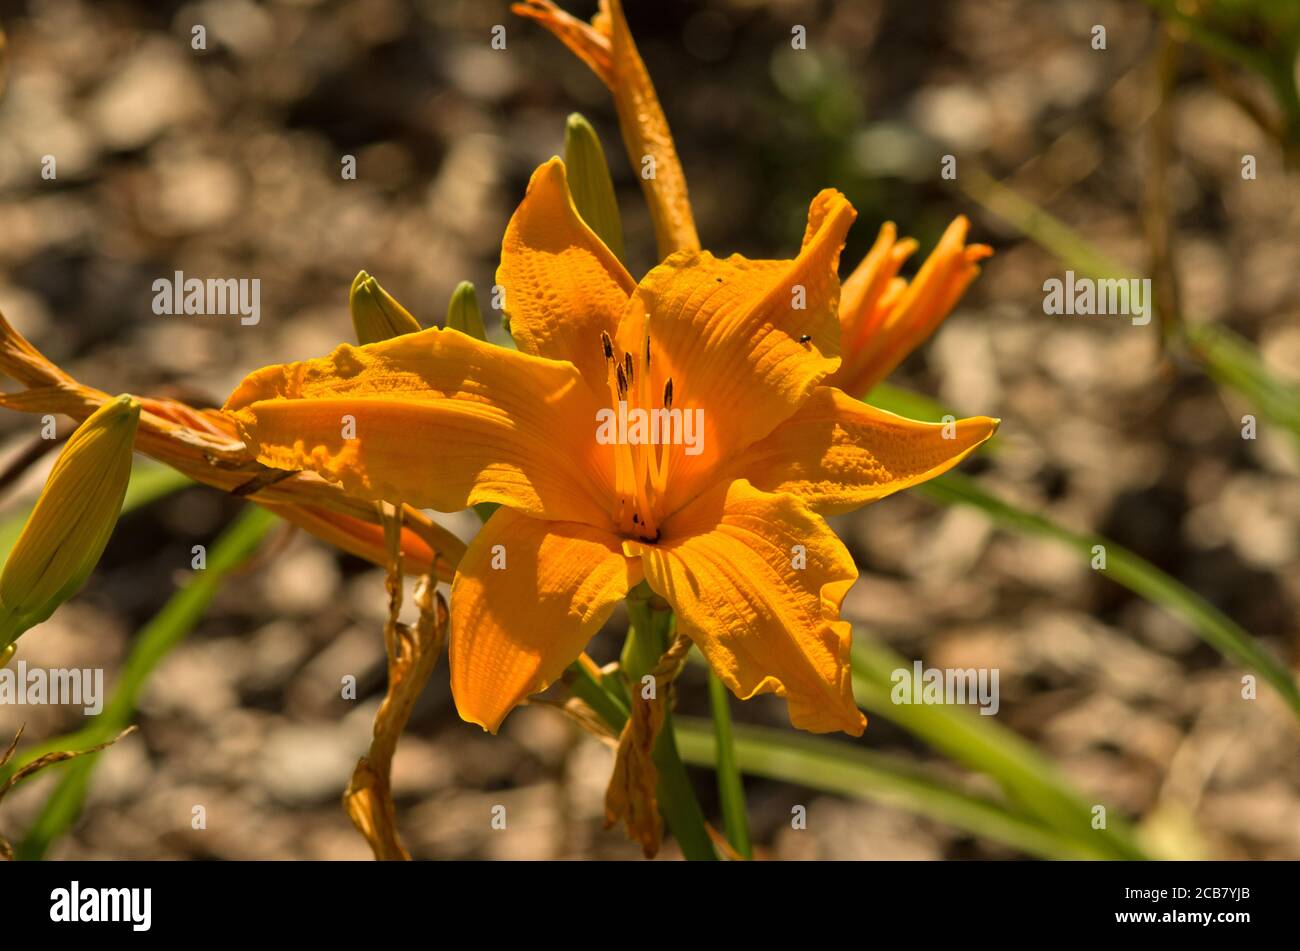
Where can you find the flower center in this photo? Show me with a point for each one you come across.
(640, 455)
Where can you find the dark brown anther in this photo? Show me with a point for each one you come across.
(805, 338)
(608, 346)
(627, 365)
(668, 394)
(622, 383)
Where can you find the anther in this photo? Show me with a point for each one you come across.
(627, 365)
(608, 345)
(668, 394)
(622, 383)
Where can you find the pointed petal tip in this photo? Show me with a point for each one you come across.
(839, 718)
(469, 718)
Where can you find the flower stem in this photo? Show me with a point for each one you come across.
(648, 637)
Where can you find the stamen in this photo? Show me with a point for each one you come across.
(659, 473)
(622, 384)
(624, 468)
(627, 365)
(646, 453)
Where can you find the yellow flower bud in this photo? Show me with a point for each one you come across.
(589, 182)
(463, 313)
(376, 315)
(72, 520)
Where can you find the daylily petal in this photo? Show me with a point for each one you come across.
(730, 335)
(866, 288)
(437, 419)
(527, 598)
(564, 288)
(837, 453)
(606, 46)
(727, 564)
(885, 317)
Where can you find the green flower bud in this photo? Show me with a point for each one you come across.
(72, 520)
(376, 315)
(589, 183)
(463, 313)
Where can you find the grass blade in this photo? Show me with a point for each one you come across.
(731, 788)
(1233, 363)
(835, 767)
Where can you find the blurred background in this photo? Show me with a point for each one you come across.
(226, 162)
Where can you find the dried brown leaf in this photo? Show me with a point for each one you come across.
(38, 764)
(631, 793)
(412, 654)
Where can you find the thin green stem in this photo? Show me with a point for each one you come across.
(731, 788)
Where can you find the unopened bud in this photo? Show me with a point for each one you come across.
(463, 313)
(376, 315)
(589, 183)
(71, 521)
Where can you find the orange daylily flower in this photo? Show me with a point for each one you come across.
(728, 529)
(884, 317)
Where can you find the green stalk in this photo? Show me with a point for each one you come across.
(731, 788)
(597, 695)
(648, 637)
